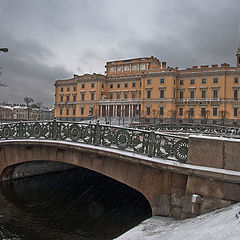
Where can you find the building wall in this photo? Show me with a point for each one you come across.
(151, 90)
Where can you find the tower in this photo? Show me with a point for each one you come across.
(238, 55)
(238, 50)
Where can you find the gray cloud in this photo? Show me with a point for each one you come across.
(54, 39)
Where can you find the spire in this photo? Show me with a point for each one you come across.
(238, 50)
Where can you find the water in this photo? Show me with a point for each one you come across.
(74, 204)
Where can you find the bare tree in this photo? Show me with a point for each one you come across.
(155, 114)
(189, 115)
(205, 114)
(28, 100)
(172, 115)
(223, 115)
(95, 113)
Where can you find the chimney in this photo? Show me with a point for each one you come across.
(204, 66)
(224, 65)
(164, 64)
(194, 67)
(214, 65)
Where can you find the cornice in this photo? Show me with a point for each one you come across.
(161, 74)
(206, 73)
(124, 79)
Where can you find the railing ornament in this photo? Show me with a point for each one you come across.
(147, 142)
(217, 130)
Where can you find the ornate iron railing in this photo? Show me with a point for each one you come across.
(128, 139)
(192, 128)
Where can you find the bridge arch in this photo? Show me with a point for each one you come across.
(152, 183)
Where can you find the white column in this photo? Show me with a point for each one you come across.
(100, 110)
(129, 106)
(114, 110)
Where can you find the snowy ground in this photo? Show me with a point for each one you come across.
(223, 224)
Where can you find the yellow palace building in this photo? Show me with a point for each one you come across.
(147, 90)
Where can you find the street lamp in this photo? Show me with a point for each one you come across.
(4, 50)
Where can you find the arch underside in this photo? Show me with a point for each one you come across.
(154, 184)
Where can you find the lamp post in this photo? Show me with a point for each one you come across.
(4, 50)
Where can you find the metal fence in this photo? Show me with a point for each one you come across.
(193, 128)
(138, 141)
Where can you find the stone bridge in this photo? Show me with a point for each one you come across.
(180, 177)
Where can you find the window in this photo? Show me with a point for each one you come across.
(118, 85)
(215, 80)
(118, 95)
(235, 112)
(67, 111)
(102, 85)
(181, 93)
(74, 89)
(148, 110)
(162, 80)
(110, 95)
(67, 98)
(62, 89)
(149, 81)
(191, 111)
(83, 96)
(83, 85)
(140, 93)
(203, 111)
(61, 98)
(74, 111)
(192, 94)
(236, 80)
(111, 85)
(235, 94)
(204, 80)
(161, 93)
(125, 95)
(92, 96)
(192, 81)
(161, 111)
(181, 82)
(215, 111)
(133, 95)
(61, 111)
(142, 67)
(125, 85)
(180, 111)
(92, 85)
(215, 93)
(82, 110)
(90, 111)
(203, 94)
(148, 94)
(74, 98)
(68, 88)
(133, 84)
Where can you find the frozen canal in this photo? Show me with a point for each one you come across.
(74, 204)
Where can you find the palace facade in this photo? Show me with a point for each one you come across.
(148, 90)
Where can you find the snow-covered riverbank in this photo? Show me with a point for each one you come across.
(218, 225)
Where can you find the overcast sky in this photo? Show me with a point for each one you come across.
(53, 39)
